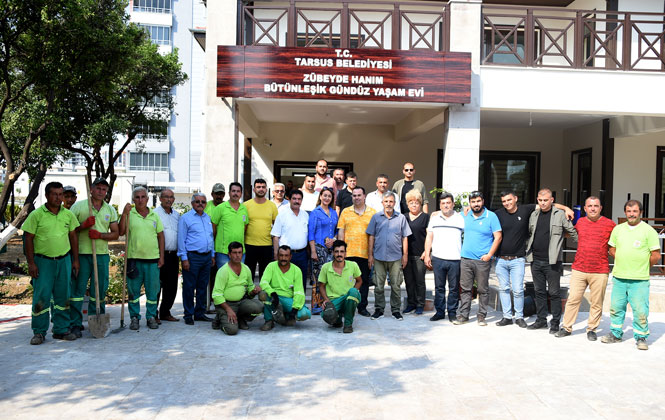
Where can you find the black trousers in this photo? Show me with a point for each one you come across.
(546, 281)
(364, 273)
(256, 254)
(168, 279)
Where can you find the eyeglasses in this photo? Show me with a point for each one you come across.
(409, 170)
(279, 192)
(199, 202)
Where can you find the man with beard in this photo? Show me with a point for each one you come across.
(482, 236)
(345, 196)
(408, 183)
(375, 198)
(321, 178)
(258, 243)
(309, 193)
(340, 282)
(338, 177)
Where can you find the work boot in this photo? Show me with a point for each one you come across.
(65, 336)
(460, 320)
(152, 323)
(134, 324)
(269, 325)
(242, 324)
(348, 329)
(77, 332)
(610, 339)
(37, 339)
(642, 344)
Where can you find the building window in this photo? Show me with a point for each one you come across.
(501, 171)
(148, 161)
(502, 48)
(152, 6)
(160, 35)
(161, 100)
(156, 131)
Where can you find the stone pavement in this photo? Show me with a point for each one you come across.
(415, 369)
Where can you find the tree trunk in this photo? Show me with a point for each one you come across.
(28, 206)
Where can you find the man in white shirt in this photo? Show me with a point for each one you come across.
(168, 274)
(290, 229)
(309, 193)
(375, 198)
(443, 247)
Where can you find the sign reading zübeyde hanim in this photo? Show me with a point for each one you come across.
(343, 74)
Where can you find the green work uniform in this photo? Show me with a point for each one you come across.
(230, 226)
(104, 217)
(210, 207)
(143, 248)
(340, 288)
(234, 290)
(288, 287)
(54, 263)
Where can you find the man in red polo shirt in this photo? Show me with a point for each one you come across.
(590, 268)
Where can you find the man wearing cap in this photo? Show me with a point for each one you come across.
(69, 197)
(101, 227)
(168, 273)
(218, 193)
(282, 292)
(339, 286)
(50, 232)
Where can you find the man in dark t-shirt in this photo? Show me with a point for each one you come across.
(344, 196)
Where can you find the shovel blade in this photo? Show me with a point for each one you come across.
(99, 325)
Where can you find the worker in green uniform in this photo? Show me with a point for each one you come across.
(282, 292)
(49, 236)
(340, 282)
(101, 227)
(218, 192)
(233, 294)
(145, 256)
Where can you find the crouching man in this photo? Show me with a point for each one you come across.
(233, 294)
(282, 292)
(340, 281)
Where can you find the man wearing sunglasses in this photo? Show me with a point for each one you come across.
(408, 183)
(278, 196)
(196, 251)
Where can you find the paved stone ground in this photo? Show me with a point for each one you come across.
(415, 369)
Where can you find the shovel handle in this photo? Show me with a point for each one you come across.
(124, 274)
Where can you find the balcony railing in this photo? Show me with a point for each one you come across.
(347, 24)
(579, 39)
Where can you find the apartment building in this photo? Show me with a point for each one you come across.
(560, 94)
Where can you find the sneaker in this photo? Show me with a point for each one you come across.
(539, 324)
(269, 325)
(419, 311)
(562, 333)
(363, 312)
(242, 324)
(77, 332)
(37, 339)
(504, 322)
(66, 336)
(152, 323)
(591, 336)
(481, 321)
(437, 316)
(337, 324)
(348, 329)
(134, 323)
(610, 339)
(460, 320)
(642, 344)
(377, 314)
(554, 328)
(520, 323)
(398, 316)
(409, 309)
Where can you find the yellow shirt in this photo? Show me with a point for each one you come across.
(261, 218)
(354, 226)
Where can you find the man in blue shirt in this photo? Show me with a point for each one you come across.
(388, 253)
(196, 251)
(482, 236)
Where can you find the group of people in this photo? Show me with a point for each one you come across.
(343, 239)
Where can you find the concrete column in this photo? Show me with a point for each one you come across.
(461, 145)
(217, 160)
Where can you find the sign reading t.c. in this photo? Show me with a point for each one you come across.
(343, 74)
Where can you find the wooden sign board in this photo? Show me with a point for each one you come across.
(343, 74)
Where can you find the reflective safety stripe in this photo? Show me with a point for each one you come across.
(154, 302)
(642, 332)
(40, 313)
(218, 294)
(92, 299)
(353, 299)
(255, 314)
(60, 308)
(617, 326)
(76, 299)
(299, 293)
(135, 300)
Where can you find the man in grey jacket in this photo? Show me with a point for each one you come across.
(547, 228)
(403, 186)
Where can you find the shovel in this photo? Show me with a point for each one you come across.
(99, 324)
(124, 282)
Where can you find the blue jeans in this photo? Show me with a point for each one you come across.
(511, 277)
(221, 259)
(300, 260)
(446, 269)
(195, 280)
